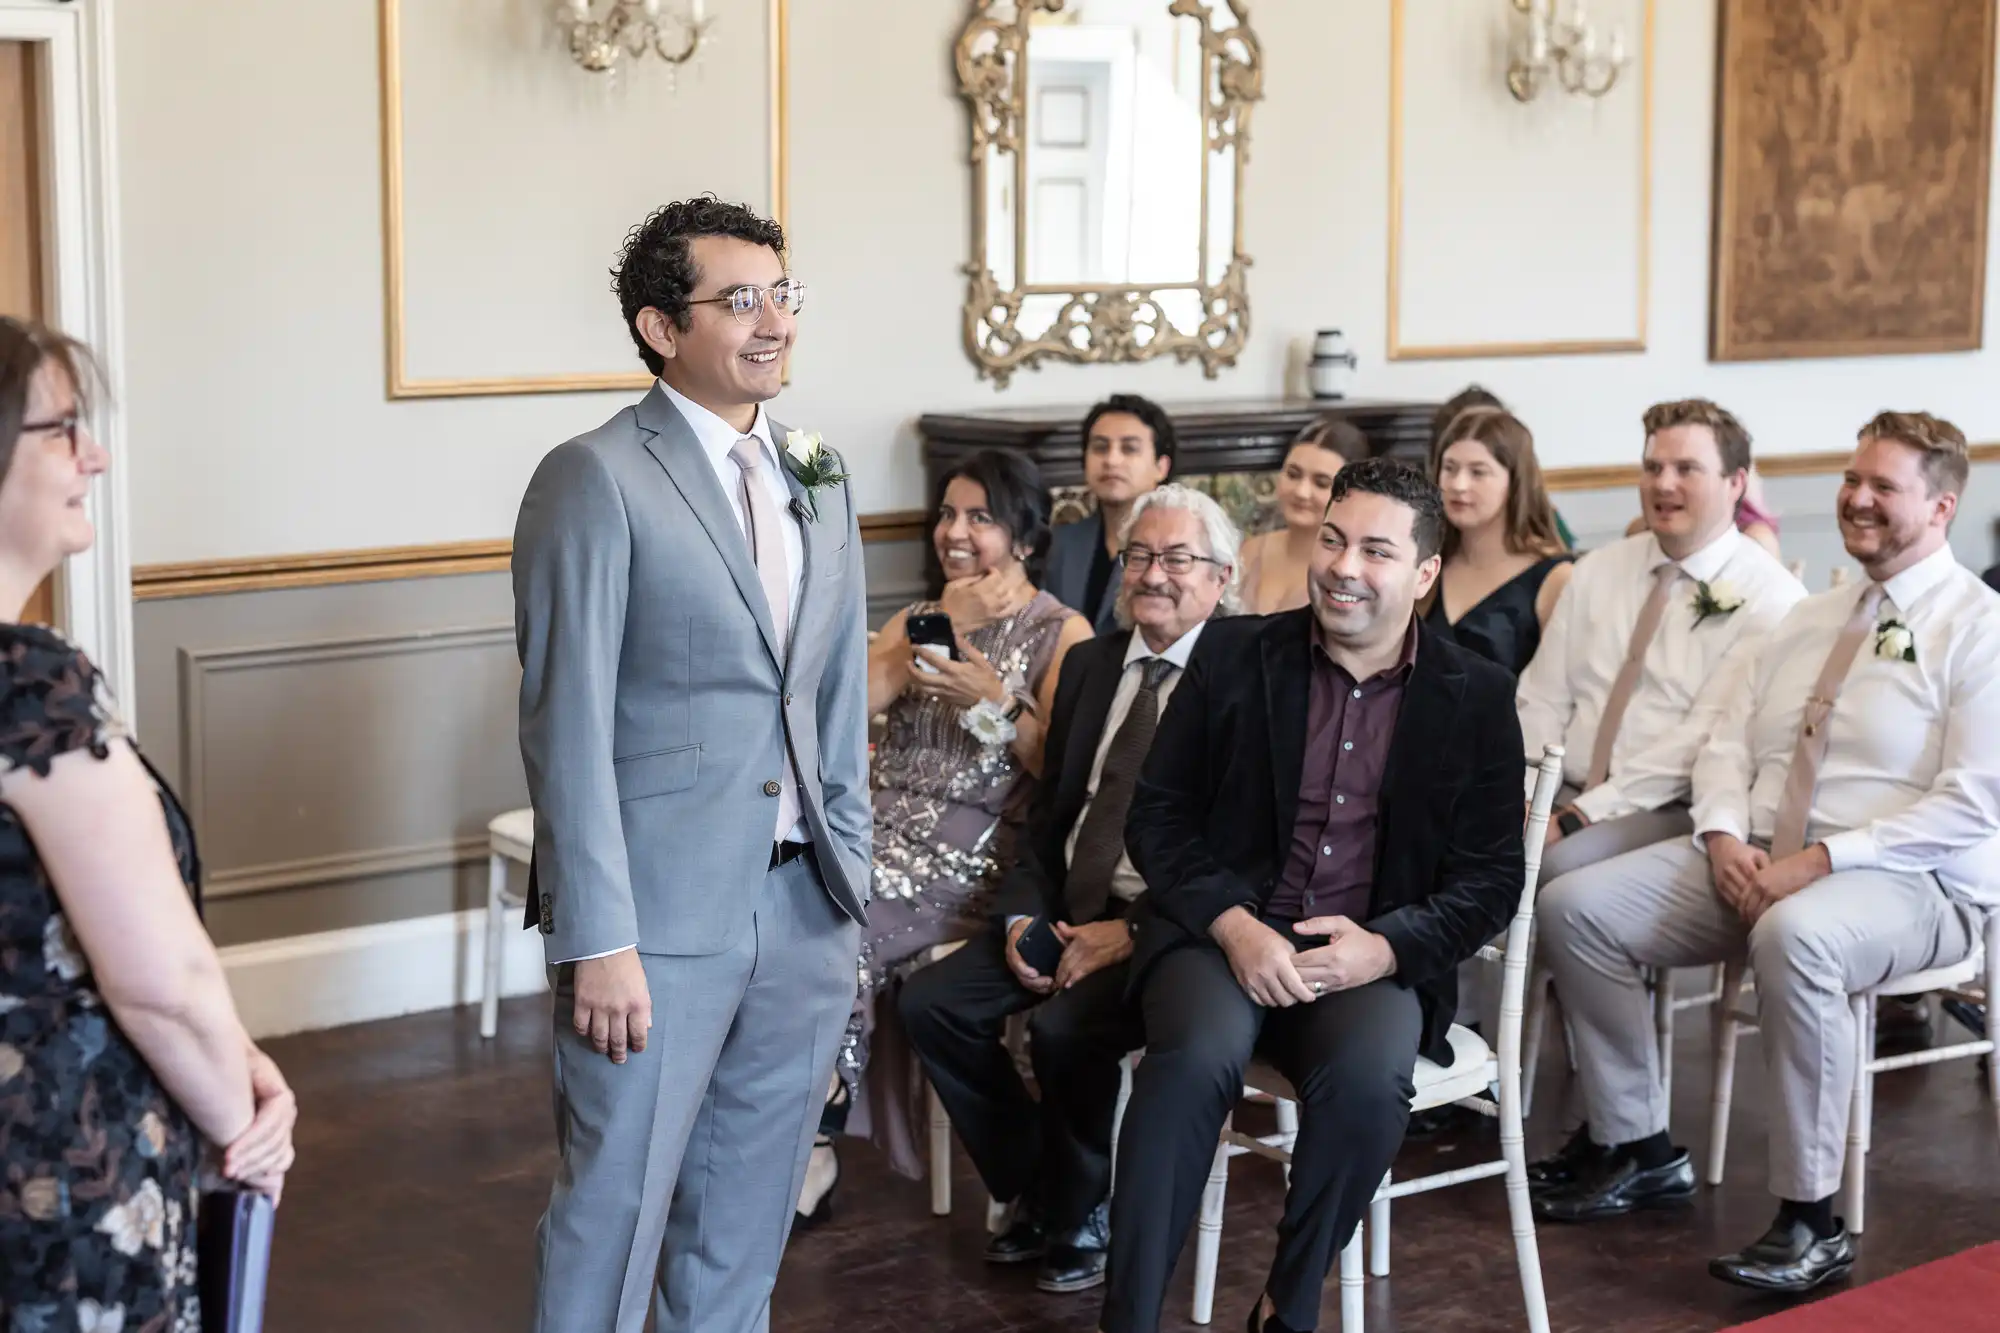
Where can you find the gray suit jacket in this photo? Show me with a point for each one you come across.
(654, 706)
(1072, 546)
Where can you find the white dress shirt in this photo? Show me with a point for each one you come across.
(1685, 678)
(717, 437)
(1911, 779)
(1125, 881)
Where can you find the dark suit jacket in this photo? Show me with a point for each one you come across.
(1211, 821)
(1089, 682)
(1067, 572)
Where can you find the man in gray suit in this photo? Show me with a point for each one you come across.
(688, 601)
(1128, 449)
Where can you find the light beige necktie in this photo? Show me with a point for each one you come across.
(1788, 832)
(1620, 698)
(767, 548)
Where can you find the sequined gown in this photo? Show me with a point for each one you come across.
(946, 811)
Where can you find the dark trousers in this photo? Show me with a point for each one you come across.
(1350, 1055)
(954, 1013)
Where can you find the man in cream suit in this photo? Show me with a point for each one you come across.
(693, 720)
(1845, 813)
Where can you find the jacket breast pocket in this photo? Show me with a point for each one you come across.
(656, 773)
(832, 564)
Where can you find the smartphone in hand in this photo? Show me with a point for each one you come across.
(1039, 946)
(932, 630)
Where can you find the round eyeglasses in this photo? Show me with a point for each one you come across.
(746, 303)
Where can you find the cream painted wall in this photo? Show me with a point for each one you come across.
(253, 261)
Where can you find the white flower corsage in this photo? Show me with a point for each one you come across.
(815, 465)
(1716, 599)
(990, 723)
(1894, 641)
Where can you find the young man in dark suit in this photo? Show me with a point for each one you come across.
(1328, 823)
(1128, 449)
(1053, 1160)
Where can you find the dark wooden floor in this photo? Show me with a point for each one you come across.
(424, 1161)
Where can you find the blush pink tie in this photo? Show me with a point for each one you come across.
(767, 548)
(1788, 831)
(1620, 698)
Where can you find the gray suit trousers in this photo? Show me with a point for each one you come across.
(1657, 907)
(681, 1168)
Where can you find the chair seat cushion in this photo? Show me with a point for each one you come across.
(1937, 978)
(1472, 1067)
(512, 834)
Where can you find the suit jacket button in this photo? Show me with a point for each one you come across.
(788, 701)
(771, 788)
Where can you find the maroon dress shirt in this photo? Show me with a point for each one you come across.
(1330, 870)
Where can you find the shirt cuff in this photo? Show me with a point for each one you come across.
(1853, 850)
(1018, 916)
(587, 957)
(1604, 803)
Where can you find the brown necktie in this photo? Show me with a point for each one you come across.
(1100, 843)
(767, 548)
(1788, 832)
(1620, 698)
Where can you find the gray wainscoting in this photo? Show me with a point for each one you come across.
(341, 748)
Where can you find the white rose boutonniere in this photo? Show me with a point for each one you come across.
(815, 465)
(1717, 600)
(1894, 641)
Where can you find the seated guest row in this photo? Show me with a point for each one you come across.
(1225, 854)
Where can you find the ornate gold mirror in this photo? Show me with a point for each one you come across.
(1108, 144)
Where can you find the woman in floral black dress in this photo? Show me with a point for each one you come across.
(121, 1054)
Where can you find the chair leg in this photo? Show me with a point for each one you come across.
(1537, 1024)
(1378, 1231)
(1353, 1292)
(1288, 1125)
(940, 1154)
(1726, 1034)
(1663, 1032)
(1520, 1213)
(496, 924)
(1125, 1068)
(1856, 1184)
(1208, 1232)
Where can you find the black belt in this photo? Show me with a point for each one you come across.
(783, 852)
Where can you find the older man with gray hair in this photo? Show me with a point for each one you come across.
(1062, 932)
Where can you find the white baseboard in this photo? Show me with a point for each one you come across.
(308, 982)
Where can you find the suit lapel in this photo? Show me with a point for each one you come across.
(674, 445)
(1424, 726)
(1287, 645)
(799, 511)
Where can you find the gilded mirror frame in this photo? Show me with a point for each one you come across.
(1102, 322)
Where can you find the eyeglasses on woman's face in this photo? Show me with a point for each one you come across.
(69, 428)
(746, 303)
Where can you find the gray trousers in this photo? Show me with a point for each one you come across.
(1657, 907)
(681, 1168)
(1479, 980)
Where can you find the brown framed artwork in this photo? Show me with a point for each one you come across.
(1853, 144)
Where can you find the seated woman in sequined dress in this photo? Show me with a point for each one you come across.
(952, 776)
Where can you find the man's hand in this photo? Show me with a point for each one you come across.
(1261, 958)
(1735, 865)
(1091, 948)
(1779, 880)
(261, 1154)
(613, 1007)
(1350, 957)
(1024, 974)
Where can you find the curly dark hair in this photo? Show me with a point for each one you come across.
(1396, 480)
(656, 268)
(25, 347)
(1016, 496)
(1148, 411)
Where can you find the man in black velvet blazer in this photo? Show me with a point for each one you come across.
(1329, 822)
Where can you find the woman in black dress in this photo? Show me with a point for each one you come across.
(1504, 562)
(121, 1054)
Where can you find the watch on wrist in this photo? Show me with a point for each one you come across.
(1570, 822)
(1014, 707)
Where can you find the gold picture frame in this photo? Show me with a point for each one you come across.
(401, 384)
(1101, 322)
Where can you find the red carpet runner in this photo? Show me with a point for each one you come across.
(1956, 1295)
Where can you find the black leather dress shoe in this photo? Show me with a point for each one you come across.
(1572, 1162)
(1022, 1242)
(1076, 1258)
(1618, 1186)
(1788, 1258)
